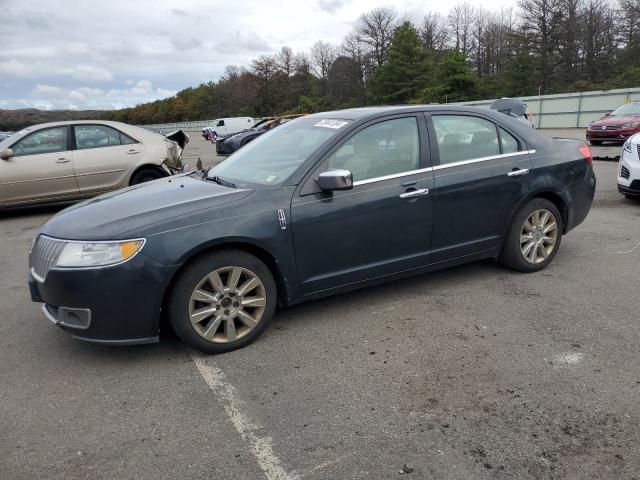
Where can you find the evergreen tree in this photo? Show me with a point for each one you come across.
(454, 81)
(405, 73)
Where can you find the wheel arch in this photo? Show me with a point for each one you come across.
(247, 246)
(553, 197)
(146, 166)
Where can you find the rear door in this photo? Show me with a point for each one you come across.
(481, 175)
(103, 157)
(41, 168)
(381, 226)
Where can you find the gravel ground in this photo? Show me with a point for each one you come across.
(474, 372)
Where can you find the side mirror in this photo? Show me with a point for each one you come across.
(608, 114)
(6, 154)
(335, 180)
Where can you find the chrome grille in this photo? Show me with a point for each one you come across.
(44, 255)
(639, 150)
(624, 172)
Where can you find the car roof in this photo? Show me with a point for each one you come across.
(363, 112)
(74, 122)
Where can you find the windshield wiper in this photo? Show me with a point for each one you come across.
(220, 181)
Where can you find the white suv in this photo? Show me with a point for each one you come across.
(629, 168)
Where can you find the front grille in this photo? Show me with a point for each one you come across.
(611, 127)
(624, 172)
(44, 255)
(639, 150)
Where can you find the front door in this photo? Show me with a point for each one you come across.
(103, 157)
(482, 176)
(41, 168)
(381, 226)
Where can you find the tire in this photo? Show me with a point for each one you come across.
(514, 247)
(215, 306)
(595, 142)
(146, 175)
(632, 197)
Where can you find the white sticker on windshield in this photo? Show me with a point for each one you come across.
(326, 123)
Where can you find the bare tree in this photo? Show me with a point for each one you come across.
(375, 29)
(433, 32)
(460, 21)
(286, 61)
(322, 56)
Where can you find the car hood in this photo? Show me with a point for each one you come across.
(615, 121)
(110, 215)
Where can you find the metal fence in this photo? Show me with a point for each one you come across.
(571, 110)
(194, 126)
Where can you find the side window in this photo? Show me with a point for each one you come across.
(220, 123)
(385, 148)
(509, 143)
(124, 140)
(97, 136)
(463, 137)
(49, 140)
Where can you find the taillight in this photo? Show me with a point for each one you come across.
(586, 153)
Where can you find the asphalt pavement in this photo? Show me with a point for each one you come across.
(474, 372)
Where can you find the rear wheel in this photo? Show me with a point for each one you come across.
(146, 175)
(223, 301)
(534, 237)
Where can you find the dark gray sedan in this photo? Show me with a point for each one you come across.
(324, 204)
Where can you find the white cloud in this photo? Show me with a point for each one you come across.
(54, 97)
(109, 49)
(87, 72)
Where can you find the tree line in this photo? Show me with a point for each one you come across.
(541, 46)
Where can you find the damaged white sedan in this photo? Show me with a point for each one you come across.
(67, 161)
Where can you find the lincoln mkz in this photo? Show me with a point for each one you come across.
(326, 203)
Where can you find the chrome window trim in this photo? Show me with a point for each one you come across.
(441, 167)
(483, 159)
(394, 175)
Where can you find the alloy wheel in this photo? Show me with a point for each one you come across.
(227, 304)
(538, 236)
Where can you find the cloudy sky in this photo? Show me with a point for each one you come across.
(88, 54)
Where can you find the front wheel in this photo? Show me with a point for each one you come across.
(147, 175)
(534, 237)
(222, 301)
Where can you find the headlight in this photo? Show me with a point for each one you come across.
(97, 254)
(631, 125)
(627, 146)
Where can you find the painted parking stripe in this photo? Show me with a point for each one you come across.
(261, 446)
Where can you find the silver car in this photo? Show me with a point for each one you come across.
(66, 161)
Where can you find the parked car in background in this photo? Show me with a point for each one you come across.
(514, 108)
(616, 126)
(324, 204)
(5, 135)
(231, 143)
(629, 168)
(71, 160)
(227, 126)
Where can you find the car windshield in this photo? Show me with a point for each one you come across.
(626, 109)
(273, 157)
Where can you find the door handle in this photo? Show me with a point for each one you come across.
(62, 160)
(518, 173)
(415, 193)
(132, 152)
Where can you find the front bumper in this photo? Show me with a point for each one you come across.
(628, 177)
(619, 135)
(122, 303)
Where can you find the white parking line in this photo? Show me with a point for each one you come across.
(261, 446)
